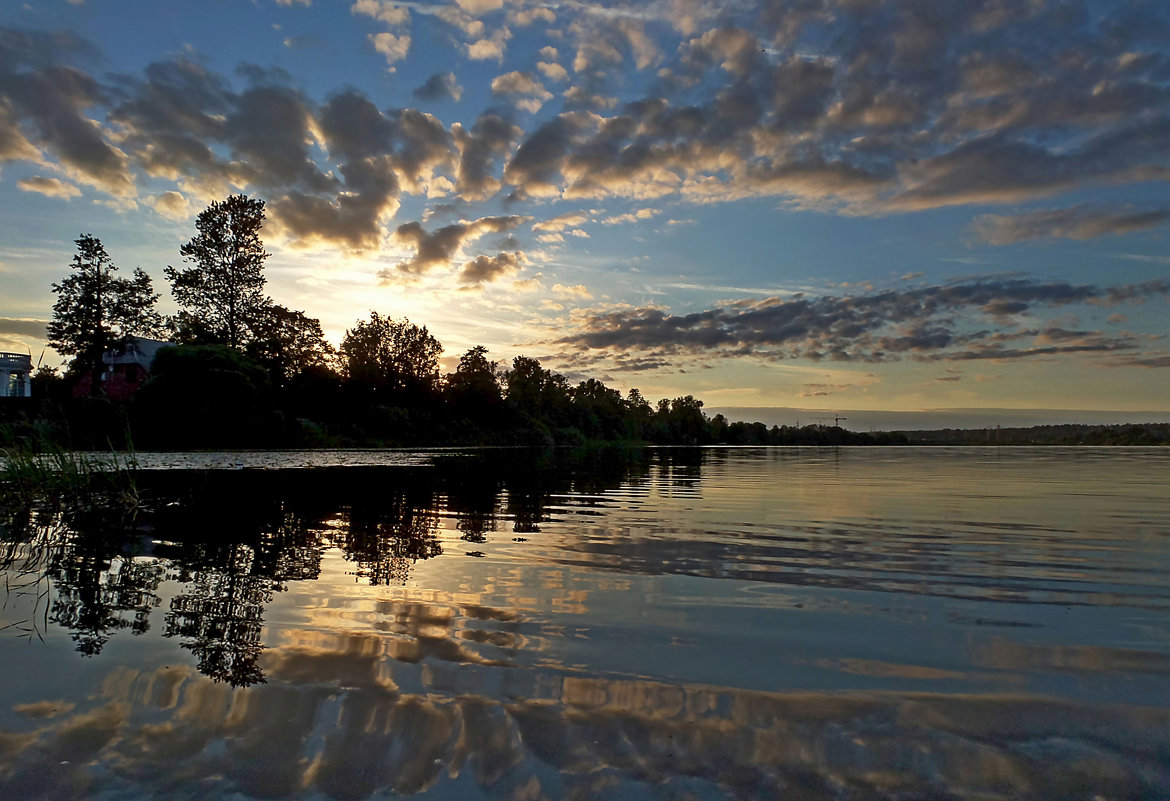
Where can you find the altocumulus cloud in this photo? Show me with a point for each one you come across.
(862, 107)
(437, 248)
(1078, 222)
(960, 321)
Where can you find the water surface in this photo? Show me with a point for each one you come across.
(684, 624)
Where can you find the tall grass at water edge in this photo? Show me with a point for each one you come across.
(55, 476)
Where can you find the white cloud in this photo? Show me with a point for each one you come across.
(490, 48)
(172, 205)
(576, 291)
(384, 10)
(394, 48)
(50, 187)
(477, 8)
(552, 70)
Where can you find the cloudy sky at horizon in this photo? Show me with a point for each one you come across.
(854, 204)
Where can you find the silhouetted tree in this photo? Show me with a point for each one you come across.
(397, 358)
(681, 421)
(473, 390)
(202, 396)
(287, 343)
(601, 413)
(639, 413)
(97, 311)
(222, 296)
(536, 393)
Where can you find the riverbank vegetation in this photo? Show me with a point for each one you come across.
(248, 372)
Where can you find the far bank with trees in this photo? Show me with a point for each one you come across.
(239, 370)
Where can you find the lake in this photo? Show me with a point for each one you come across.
(797, 623)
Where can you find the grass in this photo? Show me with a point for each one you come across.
(56, 477)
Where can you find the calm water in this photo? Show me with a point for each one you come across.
(678, 624)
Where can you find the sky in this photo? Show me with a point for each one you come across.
(814, 204)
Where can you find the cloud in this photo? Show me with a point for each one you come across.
(1077, 222)
(483, 146)
(633, 216)
(491, 48)
(847, 107)
(383, 10)
(905, 110)
(380, 155)
(575, 291)
(303, 41)
(172, 204)
(43, 105)
(477, 8)
(394, 48)
(960, 321)
(552, 71)
(32, 329)
(522, 83)
(528, 16)
(562, 221)
(50, 187)
(269, 134)
(483, 269)
(439, 247)
(440, 86)
(519, 83)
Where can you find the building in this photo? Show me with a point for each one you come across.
(126, 369)
(15, 375)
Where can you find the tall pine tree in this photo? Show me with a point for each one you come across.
(96, 311)
(222, 297)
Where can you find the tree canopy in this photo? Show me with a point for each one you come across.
(396, 357)
(97, 311)
(222, 297)
(287, 343)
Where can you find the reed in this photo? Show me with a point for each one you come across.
(56, 477)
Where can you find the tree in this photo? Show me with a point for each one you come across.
(202, 396)
(537, 393)
(395, 357)
(287, 343)
(474, 388)
(223, 294)
(97, 311)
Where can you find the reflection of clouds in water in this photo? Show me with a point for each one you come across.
(353, 736)
(1001, 653)
(414, 628)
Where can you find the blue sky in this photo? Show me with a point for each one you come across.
(835, 204)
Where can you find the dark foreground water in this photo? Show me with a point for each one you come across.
(678, 624)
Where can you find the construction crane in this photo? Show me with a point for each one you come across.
(836, 418)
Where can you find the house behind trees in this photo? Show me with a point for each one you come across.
(126, 369)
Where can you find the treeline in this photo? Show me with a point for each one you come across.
(248, 372)
(208, 396)
(1073, 434)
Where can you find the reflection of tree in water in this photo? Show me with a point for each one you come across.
(234, 538)
(531, 482)
(97, 595)
(78, 567)
(221, 615)
(472, 498)
(385, 537)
